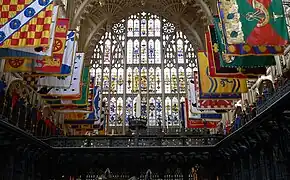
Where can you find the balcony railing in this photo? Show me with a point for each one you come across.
(140, 141)
(271, 99)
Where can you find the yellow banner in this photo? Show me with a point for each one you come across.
(214, 85)
(18, 65)
(75, 116)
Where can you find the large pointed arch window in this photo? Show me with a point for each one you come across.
(143, 54)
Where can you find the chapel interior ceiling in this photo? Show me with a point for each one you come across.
(95, 17)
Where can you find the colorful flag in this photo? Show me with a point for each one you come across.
(18, 65)
(38, 51)
(53, 64)
(228, 60)
(213, 104)
(254, 22)
(216, 87)
(74, 87)
(67, 60)
(66, 81)
(25, 23)
(43, 64)
(70, 49)
(95, 103)
(82, 102)
(198, 123)
(193, 112)
(214, 56)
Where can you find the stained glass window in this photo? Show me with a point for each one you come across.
(143, 54)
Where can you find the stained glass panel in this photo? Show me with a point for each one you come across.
(157, 52)
(168, 114)
(143, 53)
(106, 84)
(130, 27)
(119, 110)
(181, 76)
(136, 82)
(129, 109)
(180, 51)
(158, 80)
(151, 28)
(143, 27)
(129, 80)
(152, 82)
(167, 81)
(136, 52)
(113, 89)
(120, 81)
(152, 114)
(113, 111)
(151, 52)
(130, 52)
(136, 27)
(107, 54)
(157, 27)
(143, 81)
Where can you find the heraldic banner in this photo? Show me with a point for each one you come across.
(255, 22)
(25, 23)
(219, 86)
(215, 54)
(239, 61)
(211, 104)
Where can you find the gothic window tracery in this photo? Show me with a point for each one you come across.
(144, 54)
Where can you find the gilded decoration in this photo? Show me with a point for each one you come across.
(232, 48)
(247, 48)
(263, 48)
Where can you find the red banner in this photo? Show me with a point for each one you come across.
(194, 123)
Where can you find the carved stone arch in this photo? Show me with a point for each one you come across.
(93, 33)
(91, 41)
(194, 33)
(79, 13)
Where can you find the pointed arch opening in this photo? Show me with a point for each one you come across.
(144, 54)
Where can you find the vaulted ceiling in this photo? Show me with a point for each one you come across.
(94, 17)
